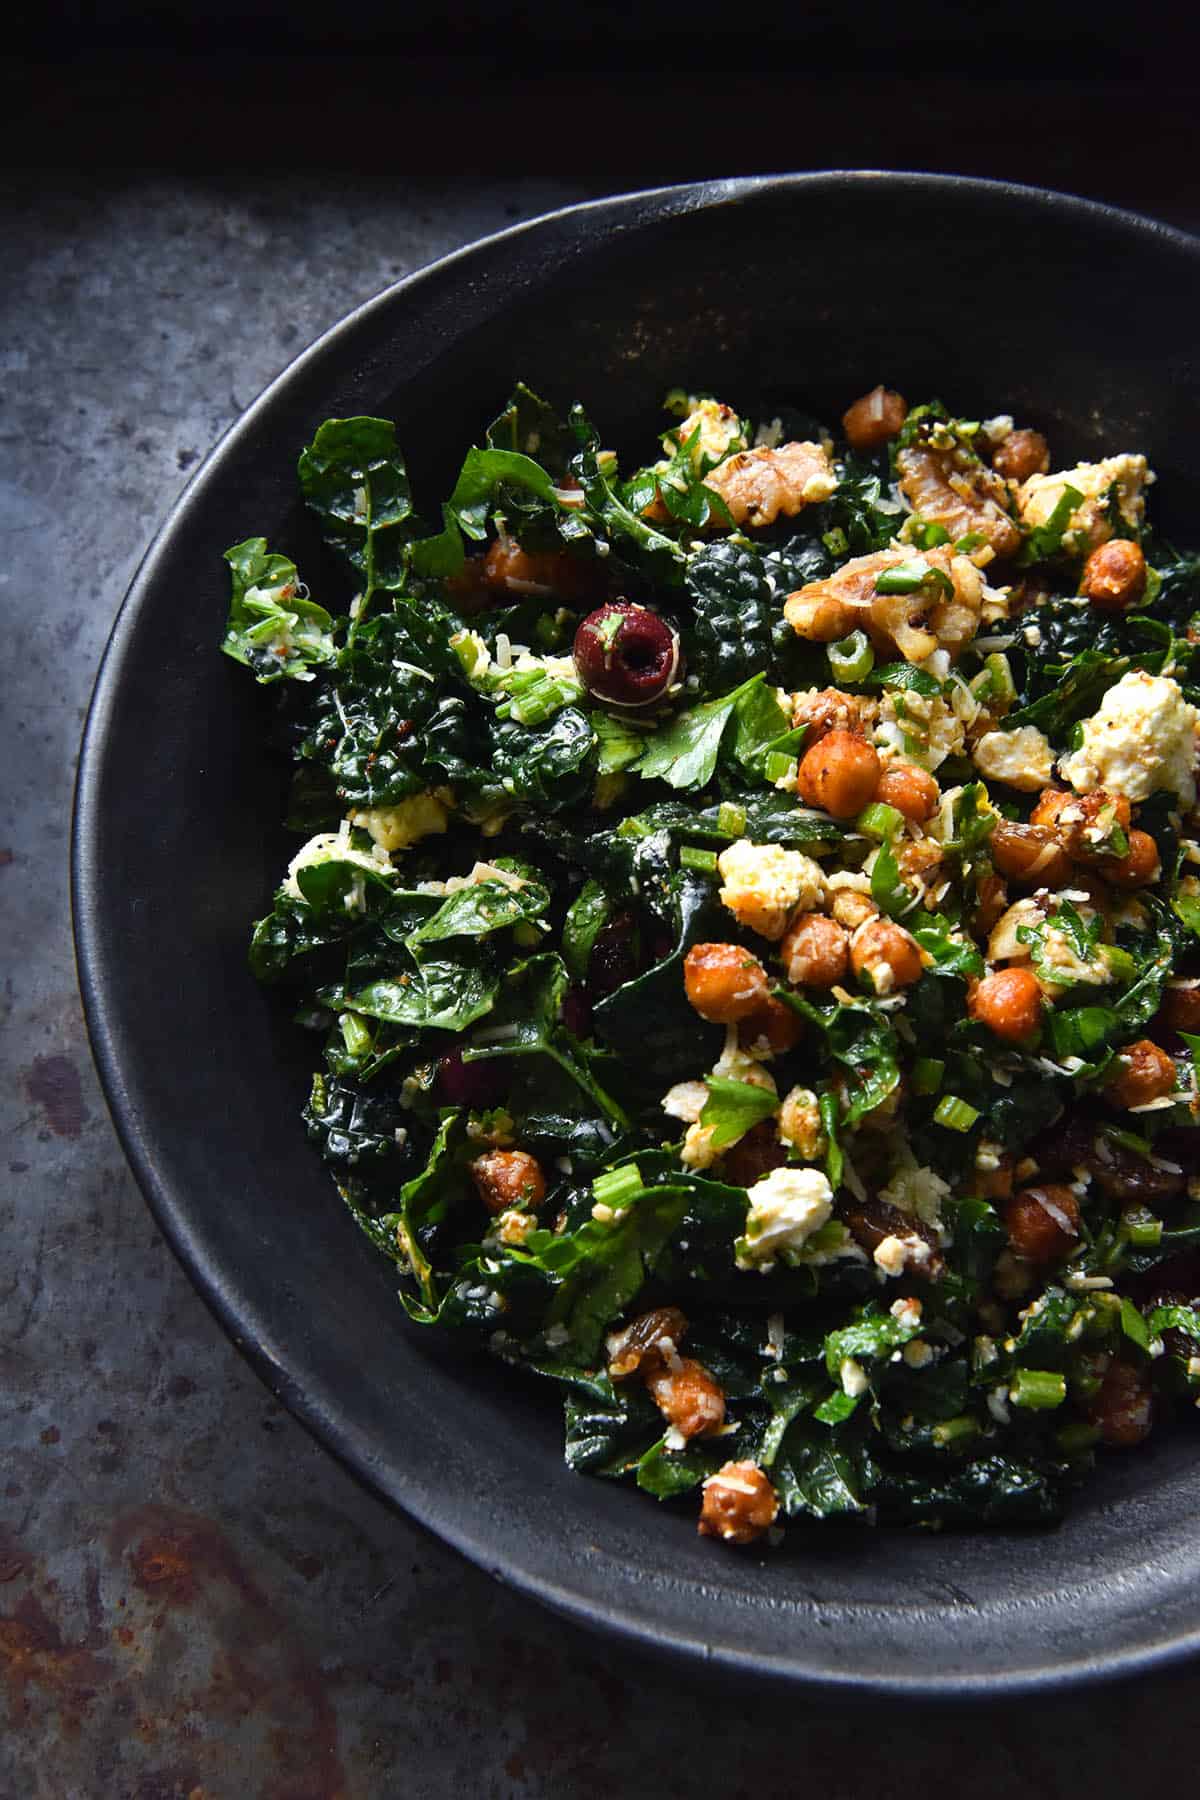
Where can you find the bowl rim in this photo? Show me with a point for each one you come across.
(302, 1390)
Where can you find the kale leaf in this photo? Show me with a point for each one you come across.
(272, 628)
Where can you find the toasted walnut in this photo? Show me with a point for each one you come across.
(687, 1396)
(1021, 454)
(951, 488)
(646, 1342)
(822, 710)
(874, 419)
(739, 1504)
(913, 623)
(757, 485)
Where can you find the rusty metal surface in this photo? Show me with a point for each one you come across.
(196, 1603)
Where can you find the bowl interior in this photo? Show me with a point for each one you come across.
(803, 291)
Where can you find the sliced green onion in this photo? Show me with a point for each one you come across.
(880, 821)
(851, 658)
(954, 1114)
(779, 766)
(1141, 1227)
(836, 541)
(355, 1035)
(677, 402)
(1038, 1390)
(1000, 670)
(927, 535)
(973, 540)
(616, 1186)
(1078, 1436)
(1133, 1325)
(953, 1431)
(903, 577)
(927, 1074)
(1120, 964)
(731, 819)
(692, 858)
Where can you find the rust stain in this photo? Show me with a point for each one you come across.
(51, 1435)
(33, 1653)
(53, 1084)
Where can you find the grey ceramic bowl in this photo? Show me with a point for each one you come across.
(1076, 318)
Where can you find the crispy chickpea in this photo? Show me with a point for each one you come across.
(1137, 868)
(1042, 1223)
(1114, 575)
(1020, 455)
(912, 791)
(646, 1342)
(1072, 816)
(1145, 1073)
(1180, 1010)
(739, 1504)
(829, 709)
(874, 418)
(1124, 1406)
(724, 982)
(509, 569)
(1029, 853)
(509, 1178)
(839, 775)
(1008, 1002)
(815, 951)
(754, 1155)
(885, 956)
(776, 1026)
(687, 1397)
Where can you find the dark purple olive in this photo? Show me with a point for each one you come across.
(614, 959)
(627, 655)
(477, 1084)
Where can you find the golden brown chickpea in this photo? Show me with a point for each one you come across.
(1042, 1223)
(884, 956)
(739, 1504)
(815, 951)
(1114, 575)
(829, 709)
(510, 570)
(1020, 455)
(874, 418)
(724, 982)
(776, 1025)
(1008, 1002)
(509, 1178)
(912, 791)
(1029, 853)
(1071, 816)
(1144, 1073)
(839, 775)
(1180, 1010)
(1139, 866)
(1124, 1407)
(687, 1396)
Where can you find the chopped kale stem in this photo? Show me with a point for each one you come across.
(777, 1025)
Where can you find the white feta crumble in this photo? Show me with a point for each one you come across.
(997, 1405)
(854, 1378)
(1142, 739)
(686, 1101)
(786, 1207)
(764, 883)
(1021, 759)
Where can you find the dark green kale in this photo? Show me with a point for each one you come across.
(274, 628)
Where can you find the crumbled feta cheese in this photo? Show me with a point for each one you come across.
(401, 826)
(997, 1404)
(764, 884)
(890, 1255)
(920, 728)
(1142, 739)
(686, 1100)
(1088, 525)
(786, 1207)
(1021, 758)
(854, 1378)
(907, 1310)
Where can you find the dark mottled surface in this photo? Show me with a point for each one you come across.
(196, 1603)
